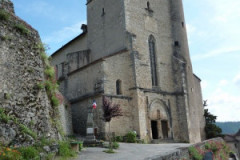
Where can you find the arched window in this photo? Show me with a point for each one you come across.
(152, 52)
(119, 87)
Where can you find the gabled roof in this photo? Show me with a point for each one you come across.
(238, 133)
(84, 28)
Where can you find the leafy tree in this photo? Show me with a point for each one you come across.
(110, 111)
(211, 129)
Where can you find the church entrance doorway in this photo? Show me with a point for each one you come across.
(164, 124)
(154, 129)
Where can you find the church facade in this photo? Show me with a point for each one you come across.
(135, 52)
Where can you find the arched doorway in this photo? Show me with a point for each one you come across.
(159, 120)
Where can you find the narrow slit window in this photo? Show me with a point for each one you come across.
(152, 52)
(119, 87)
(103, 11)
(183, 24)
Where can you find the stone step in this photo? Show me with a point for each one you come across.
(158, 141)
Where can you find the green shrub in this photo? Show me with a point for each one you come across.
(7, 153)
(115, 145)
(51, 87)
(65, 149)
(22, 29)
(207, 146)
(194, 153)
(213, 147)
(131, 137)
(55, 101)
(29, 153)
(4, 16)
(40, 85)
(118, 139)
(50, 72)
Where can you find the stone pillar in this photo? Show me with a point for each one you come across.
(90, 126)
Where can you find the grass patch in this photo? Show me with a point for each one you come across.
(22, 29)
(40, 85)
(55, 101)
(29, 153)
(65, 149)
(4, 16)
(110, 151)
(27, 131)
(3, 117)
(50, 72)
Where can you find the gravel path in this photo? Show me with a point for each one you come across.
(129, 151)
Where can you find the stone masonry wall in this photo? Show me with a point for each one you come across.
(26, 111)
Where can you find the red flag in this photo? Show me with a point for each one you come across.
(94, 105)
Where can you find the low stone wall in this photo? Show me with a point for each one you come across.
(215, 148)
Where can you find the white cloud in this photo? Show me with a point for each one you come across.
(64, 34)
(236, 80)
(224, 105)
(223, 83)
(204, 84)
(217, 52)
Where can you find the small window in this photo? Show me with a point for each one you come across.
(148, 5)
(119, 87)
(183, 24)
(176, 43)
(103, 11)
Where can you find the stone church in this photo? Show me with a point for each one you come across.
(135, 52)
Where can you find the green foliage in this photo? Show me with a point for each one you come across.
(7, 96)
(50, 87)
(115, 145)
(7, 153)
(131, 137)
(65, 149)
(118, 138)
(109, 151)
(4, 38)
(4, 16)
(22, 29)
(194, 153)
(3, 117)
(55, 101)
(50, 156)
(207, 146)
(29, 153)
(50, 72)
(211, 129)
(213, 147)
(27, 131)
(40, 85)
(229, 127)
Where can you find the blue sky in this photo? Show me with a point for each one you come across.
(213, 34)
